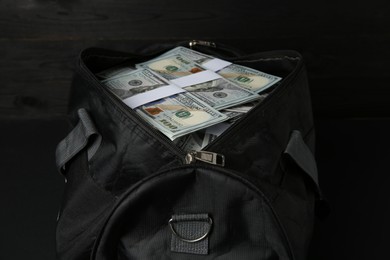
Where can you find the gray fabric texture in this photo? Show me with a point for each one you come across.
(83, 134)
(301, 154)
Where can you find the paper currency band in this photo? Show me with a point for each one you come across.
(152, 95)
(178, 84)
(216, 64)
(197, 78)
(209, 74)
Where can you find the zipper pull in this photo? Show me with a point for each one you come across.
(204, 156)
(202, 43)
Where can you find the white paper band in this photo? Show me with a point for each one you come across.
(152, 95)
(197, 78)
(178, 84)
(216, 64)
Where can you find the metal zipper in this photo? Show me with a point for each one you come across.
(193, 43)
(205, 156)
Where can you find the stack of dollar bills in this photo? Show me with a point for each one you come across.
(189, 96)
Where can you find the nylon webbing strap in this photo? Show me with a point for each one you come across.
(190, 233)
(81, 136)
(301, 154)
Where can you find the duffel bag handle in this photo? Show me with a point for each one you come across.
(301, 154)
(304, 158)
(83, 134)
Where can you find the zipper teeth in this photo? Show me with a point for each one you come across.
(131, 114)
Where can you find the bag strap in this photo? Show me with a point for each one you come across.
(303, 157)
(83, 134)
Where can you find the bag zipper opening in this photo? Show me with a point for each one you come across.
(187, 157)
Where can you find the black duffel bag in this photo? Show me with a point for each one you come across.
(131, 193)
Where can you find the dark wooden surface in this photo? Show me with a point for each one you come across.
(346, 48)
(31, 188)
(345, 44)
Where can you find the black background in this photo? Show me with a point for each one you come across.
(345, 45)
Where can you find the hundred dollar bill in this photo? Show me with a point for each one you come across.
(211, 133)
(179, 115)
(248, 78)
(171, 66)
(190, 142)
(233, 116)
(198, 140)
(221, 93)
(194, 56)
(116, 71)
(140, 86)
(135, 82)
(244, 108)
(206, 61)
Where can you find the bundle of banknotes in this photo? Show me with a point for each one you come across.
(189, 96)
